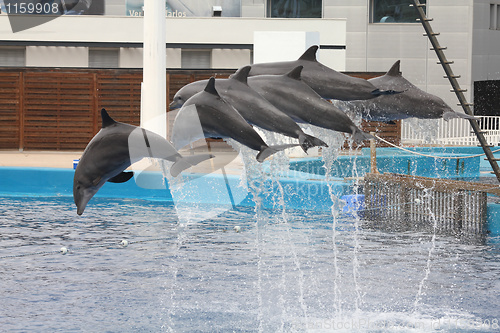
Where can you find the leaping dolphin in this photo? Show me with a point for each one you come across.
(412, 102)
(292, 96)
(327, 82)
(113, 149)
(217, 118)
(251, 105)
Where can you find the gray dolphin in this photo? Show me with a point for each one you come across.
(292, 96)
(328, 83)
(113, 149)
(218, 118)
(412, 102)
(251, 105)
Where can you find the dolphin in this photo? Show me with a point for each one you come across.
(328, 83)
(291, 95)
(217, 118)
(113, 149)
(412, 102)
(251, 105)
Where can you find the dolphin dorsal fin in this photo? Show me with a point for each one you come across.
(295, 73)
(310, 54)
(394, 71)
(210, 88)
(106, 118)
(242, 74)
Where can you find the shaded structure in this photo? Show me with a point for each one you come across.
(411, 203)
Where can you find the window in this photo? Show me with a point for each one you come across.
(104, 58)
(493, 11)
(498, 17)
(13, 56)
(487, 98)
(196, 58)
(394, 11)
(294, 8)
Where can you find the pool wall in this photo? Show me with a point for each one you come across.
(297, 190)
(296, 193)
(397, 161)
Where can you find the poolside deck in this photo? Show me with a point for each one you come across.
(64, 159)
(42, 159)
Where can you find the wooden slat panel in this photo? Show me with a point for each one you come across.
(57, 110)
(120, 95)
(390, 132)
(9, 110)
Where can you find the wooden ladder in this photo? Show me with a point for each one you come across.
(454, 83)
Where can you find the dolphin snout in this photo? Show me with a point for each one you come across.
(175, 104)
(80, 210)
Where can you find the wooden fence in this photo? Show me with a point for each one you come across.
(57, 109)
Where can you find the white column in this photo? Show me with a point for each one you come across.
(153, 95)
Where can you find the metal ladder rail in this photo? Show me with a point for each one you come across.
(454, 83)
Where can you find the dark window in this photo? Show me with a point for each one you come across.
(295, 8)
(196, 58)
(487, 98)
(13, 56)
(394, 11)
(104, 58)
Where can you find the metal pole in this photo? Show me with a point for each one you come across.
(373, 155)
(454, 83)
(153, 92)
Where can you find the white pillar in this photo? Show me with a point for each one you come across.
(153, 95)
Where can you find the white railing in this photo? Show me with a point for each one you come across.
(455, 132)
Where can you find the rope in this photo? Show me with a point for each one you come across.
(432, 156)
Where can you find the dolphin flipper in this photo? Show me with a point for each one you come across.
(307, 141)
(451, 114)
(267, 151)
(185, 162)
(359, 135)
(122, 177)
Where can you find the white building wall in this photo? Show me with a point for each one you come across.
(114, 7)
(173, 58)
(224, 31)
(224, 58)
(253, 8)
(52, 56)
(375, 47)
(486, 42)
(130, 57)
(356, 13)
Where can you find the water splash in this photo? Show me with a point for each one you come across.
(334, 140)
(427, 201)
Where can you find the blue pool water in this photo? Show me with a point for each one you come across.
(292, 271)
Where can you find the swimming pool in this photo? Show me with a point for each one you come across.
(279, 271)
(289, 261)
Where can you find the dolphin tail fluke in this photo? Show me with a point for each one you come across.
(378, 92)
(267, 151)
(307, 141)
(358, 135)
(185, 162)
(452, 114)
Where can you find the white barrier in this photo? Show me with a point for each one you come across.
(455, 132)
